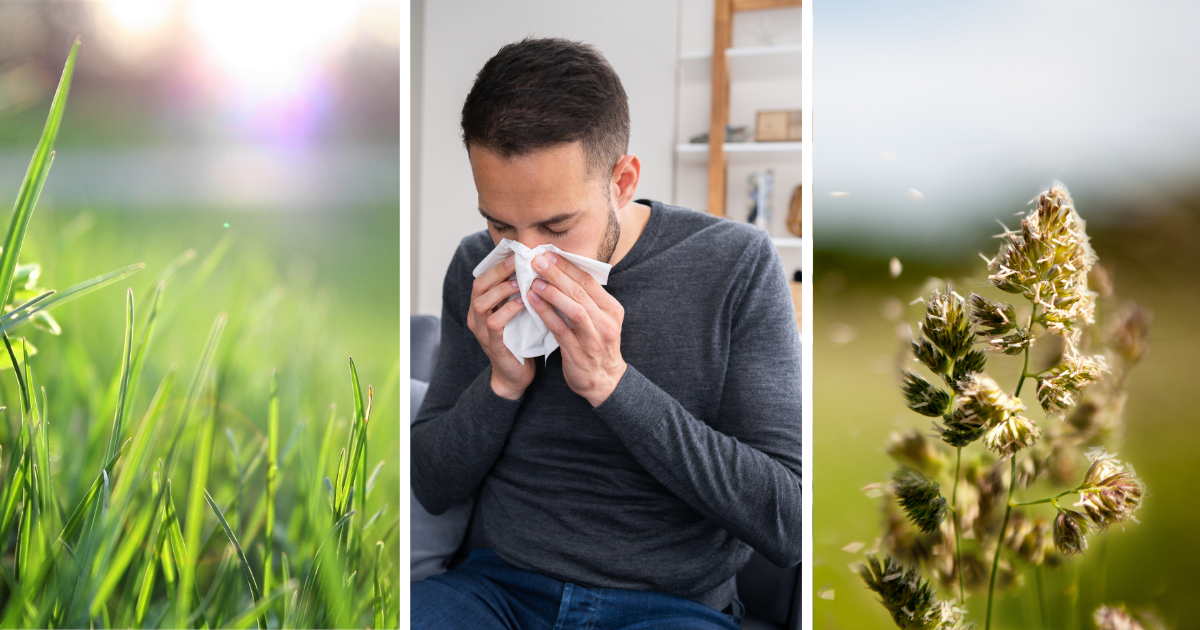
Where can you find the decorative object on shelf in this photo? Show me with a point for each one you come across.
(795, 222)
(763, 29)
(761, 185)
(778, 126)
(732, 134)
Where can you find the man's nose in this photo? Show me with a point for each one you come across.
(531, 238)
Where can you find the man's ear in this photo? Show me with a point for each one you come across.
(624, 181)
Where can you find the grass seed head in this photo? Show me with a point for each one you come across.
(920, 497)
(1115, 618)
(912, 449)
(1060, 389)
(1011, 344)
(930, 356)
(908, 597)
(1029, 538)
(958, 435)
(946, 323)
(992, 318)
(1111, 493)
(982, 403)
(1048, 262)
(1071, 530)
(923, 397)
(1129, 334)
(1012, 435)
(971, 362)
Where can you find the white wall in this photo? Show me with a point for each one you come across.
(637, 37)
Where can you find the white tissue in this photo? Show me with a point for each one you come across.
(526, 335)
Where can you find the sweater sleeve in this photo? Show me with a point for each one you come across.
(462, 425)
(746, 479)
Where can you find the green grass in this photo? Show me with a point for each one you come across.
(155, 468)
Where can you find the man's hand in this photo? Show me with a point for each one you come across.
(591, 346)
(488, 314)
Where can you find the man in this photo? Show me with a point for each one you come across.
(625, 479)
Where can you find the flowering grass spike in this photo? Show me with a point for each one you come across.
(1080, 386)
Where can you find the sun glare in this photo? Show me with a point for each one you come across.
(139, 16)
(270, 45)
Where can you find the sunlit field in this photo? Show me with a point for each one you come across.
(211, 440)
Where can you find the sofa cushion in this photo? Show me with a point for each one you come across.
(434, 539)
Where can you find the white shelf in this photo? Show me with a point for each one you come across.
(743, 151)
(754, 62)
(788, 241)
(783, 50)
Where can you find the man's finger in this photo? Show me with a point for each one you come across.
(585, 280)
(496, 321)
(554, 275)
(543, 295)
(493, 276)
(488, 302)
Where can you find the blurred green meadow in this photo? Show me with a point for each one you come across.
(857, 350)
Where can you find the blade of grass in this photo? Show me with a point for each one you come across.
(20, 378)
(198, 379)
(35, 178)
(326, 443)
(178, 548)
(14, 494)
(126, 360)
(50, 505)
(120, 561)
(372, 478)
(358, 446)
(245, 562)
(119, 384)
(25, 528)
(150, 557)
(133, 466)
(272, 479)
(205, 611)
(194, 517)
(123, 497)
(77, 516)
(180, 557)
(236, 508)
(380, 608)
(260, 609)
(16, 318)
(308, 590)
(287, 579)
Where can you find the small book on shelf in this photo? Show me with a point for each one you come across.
(778, 126)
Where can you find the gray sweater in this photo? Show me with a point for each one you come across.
(692, 461)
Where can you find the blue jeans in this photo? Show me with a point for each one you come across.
(487, 592)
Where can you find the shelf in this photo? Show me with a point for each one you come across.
(752, 62)
(787, 241)
(783, 50)
(743, 151)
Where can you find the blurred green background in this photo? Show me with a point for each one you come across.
(1151, 564)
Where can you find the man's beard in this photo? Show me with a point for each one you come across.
(612, 232)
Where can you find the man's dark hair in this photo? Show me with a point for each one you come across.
(538, 93)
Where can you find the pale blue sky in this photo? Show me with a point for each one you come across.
(979, 106)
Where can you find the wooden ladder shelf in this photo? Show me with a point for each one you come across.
(722, 40)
